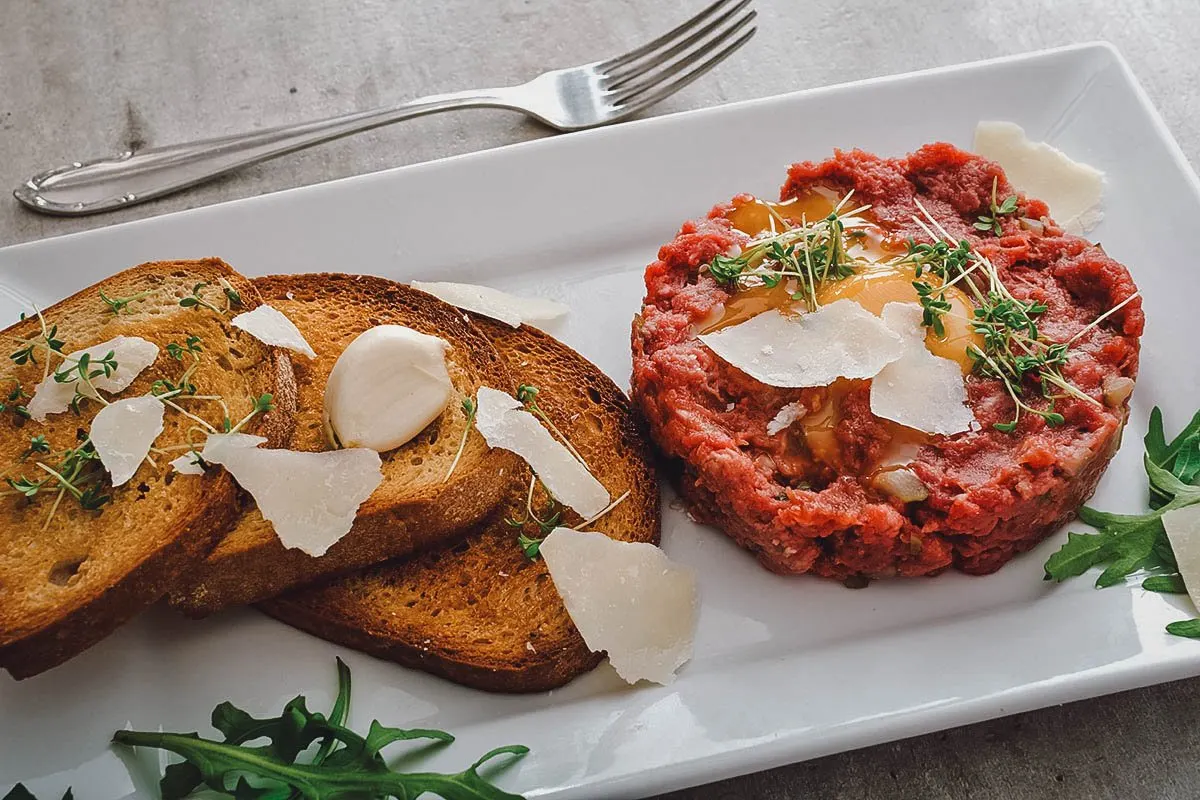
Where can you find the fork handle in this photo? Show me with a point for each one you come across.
(134, 177)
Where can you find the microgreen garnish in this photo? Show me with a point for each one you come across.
(232, 298)
(991, 221)
(196, 300)
(182, 385)
(531, 547)
(469, 407)
(117, 304)
(37, 444)
(46, 342)
(346, 764)
(262, 404)
(13, 400)
(549, 520)
(812, 254)
(527, 394)
(1125, 544)
(1014, 351)
(75, 471)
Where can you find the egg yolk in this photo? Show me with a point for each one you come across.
(874, 284)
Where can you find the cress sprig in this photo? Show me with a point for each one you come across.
(1014, 350)
(991, 220)
(812, 254)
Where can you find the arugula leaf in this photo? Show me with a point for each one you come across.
(1127, 543)
(346, 765)
(1187, 628)
(1081, 552)
(1165, 584)
(19, 792)
(1129, 552)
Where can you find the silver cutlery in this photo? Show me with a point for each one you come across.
(572, 99)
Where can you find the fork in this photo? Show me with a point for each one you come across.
(572, 99)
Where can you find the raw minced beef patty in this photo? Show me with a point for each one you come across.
(991, 494)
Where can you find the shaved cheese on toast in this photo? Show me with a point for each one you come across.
(507, 308)
(123, 432)
(626, 598)
(503, 423)
(269, 325)
(310, 499)
(132, 355)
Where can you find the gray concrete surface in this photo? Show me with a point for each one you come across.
(88, 78)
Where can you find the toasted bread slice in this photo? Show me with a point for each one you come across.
(69, 576)
(416, 505)
(480, 612)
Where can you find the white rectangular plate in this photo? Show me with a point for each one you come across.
(785, 668)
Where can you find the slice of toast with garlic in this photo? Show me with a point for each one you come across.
(98, 394)
(391, 369)
(487, 611)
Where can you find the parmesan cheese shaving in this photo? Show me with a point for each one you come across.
(310, 499)
(508, 308)
(187, 464)
(1073, 190)
(503, 423)
(269, 325)
(839, 340)
(626, 598)
(132, 354)
(1183, 530)
(919, 390)
(123, 432)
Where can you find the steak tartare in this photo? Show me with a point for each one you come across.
(809, 479)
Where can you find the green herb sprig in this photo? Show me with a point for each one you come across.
(117, 304)
(196, 300)
(1014, 350)
(811, 254)
(1125, 544)
(549, 519)
(991, 221)
(469, 408)
(346, 764)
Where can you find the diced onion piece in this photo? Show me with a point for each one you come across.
(902, 484)
(1117, 389)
